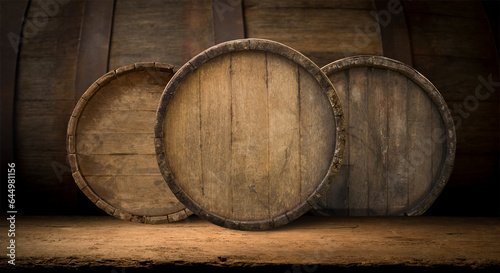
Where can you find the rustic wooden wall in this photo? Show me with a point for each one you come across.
(450, 43)
(453, 46)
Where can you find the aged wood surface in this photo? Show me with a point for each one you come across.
(160, 31)
(11, 16)
(228, 21)
(246, 134)
(471, 68)
(393, 30)
(400, 137)
(44, 100)
(93, 50)
(111, 145)
(333, 29)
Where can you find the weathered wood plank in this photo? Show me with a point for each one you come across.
(182, 135)
(377, 146)
(115, 143)
(135, 91)
(116, 121)
(358, 137)
(11, 15)
(455, 8)
(336, 32)
(117, 164)
(160, 31)
(45, 82)
(250, 147)
(394, 31)
(216, 135)
(438, 35)
(397, 167)
(420, 150)
(317, 134)
(93, 50)
(324, 4)
(438, 144)
(125, 193)
(284, 134)
(228, 20)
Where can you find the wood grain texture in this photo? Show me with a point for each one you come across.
(95, 38)
(457, 35)
(334, 29)
(393, 30)
(228, 20)
(250, 131)
(43, 104)
(216, 134)
(397, 119)
(258, 118)
(377, 142)
(111, 145)
(397, 134)
(160, 31)
(11, 15)
(284, 104)
(358, 137)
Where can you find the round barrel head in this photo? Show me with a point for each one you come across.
(111, 145)
(400, 139)
(249, 134)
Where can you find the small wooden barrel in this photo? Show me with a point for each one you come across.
(249, 134)
(111, 147)
(400, 139)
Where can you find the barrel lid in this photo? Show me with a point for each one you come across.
(407, 154)
(110, 145)
(233, 131)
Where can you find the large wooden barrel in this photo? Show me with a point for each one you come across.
(249, 134)
(400, 139)
(111, 145)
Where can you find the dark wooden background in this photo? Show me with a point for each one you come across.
(51, 53)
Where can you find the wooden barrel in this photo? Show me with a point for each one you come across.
(249, 134)
(400, 139)
(111, 147)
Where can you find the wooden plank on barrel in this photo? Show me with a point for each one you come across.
(284, 134)
(397, 161)
(420, 123)
(110, 145)
(376, 148)
(216, 134)
(186, 128)
(358, 114)
(317, 134)
(250, 144)
(403, 115)
(261, 117)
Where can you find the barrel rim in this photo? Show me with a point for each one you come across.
(251, 44)
(438, 100)
(73, 156)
